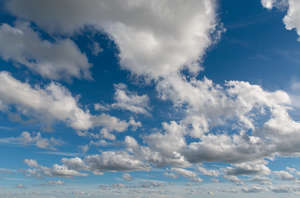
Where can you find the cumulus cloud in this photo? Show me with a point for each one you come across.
(56, 170)
(234, 179)
(171, 175)
(253, 189)
(74, 163)
(268, 3)
(111, 123)
(263, 180)
(61, 59)
(124, 99)
(108, 161)
(236, 123)
(206, 172)
(169, 35)
(159, 153)
(54, 103)
(55, 183)
(208, 106)
(292, 17)
(37, 140)
(114, 161)
(285, 189)
(187, 173)
(127, 177)
(250, 168)
(107, 135)
(284, 175)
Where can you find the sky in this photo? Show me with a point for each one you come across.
(149, 99)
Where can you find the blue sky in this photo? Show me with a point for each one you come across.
(157, 98)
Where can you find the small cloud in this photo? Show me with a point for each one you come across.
(20, 186)
(127, 177)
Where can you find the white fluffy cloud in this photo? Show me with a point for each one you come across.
(268, 3)
(234, 179)
(124, 99)
(236, 123)
(54, 102)
(206, 172)
(37, 170)
(27, 138)
(284, 175)
(114, 161)
(61, 59)
(167, 37)
(209, 106)
(127, 177)
(250, 168)
(292, 18)
(109, 161)
(187, 173)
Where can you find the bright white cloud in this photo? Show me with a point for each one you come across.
(61, 59)
(37, 170)
(54, 102)
(206, 172)
(124, 99)
(167, 37)
(127, 177)
(292, 17)
(263, 180)
(111, 123)
(187, 173)
(107, 135)
(97, 164)
(268, 3)
(114, 161)
(254, 189)
(250, 168)
(284, 175)
(74, 163)
(234, 179)
(237, 123)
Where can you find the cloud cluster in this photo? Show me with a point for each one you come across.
(187, 173)
(37, 140)
(108, 161)
(250, 168)
(206, 172)
(37, 170)
(237, 123)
